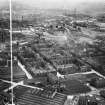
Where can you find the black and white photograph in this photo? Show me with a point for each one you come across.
(52, 52)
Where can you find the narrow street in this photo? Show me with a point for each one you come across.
(26, 72)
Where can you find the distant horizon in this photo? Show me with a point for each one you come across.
(91, 7)
(57, 4)
(53, 4)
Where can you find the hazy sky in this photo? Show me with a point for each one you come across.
(55, 3)
(4, 2)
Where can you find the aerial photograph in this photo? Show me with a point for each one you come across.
(58, 52)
